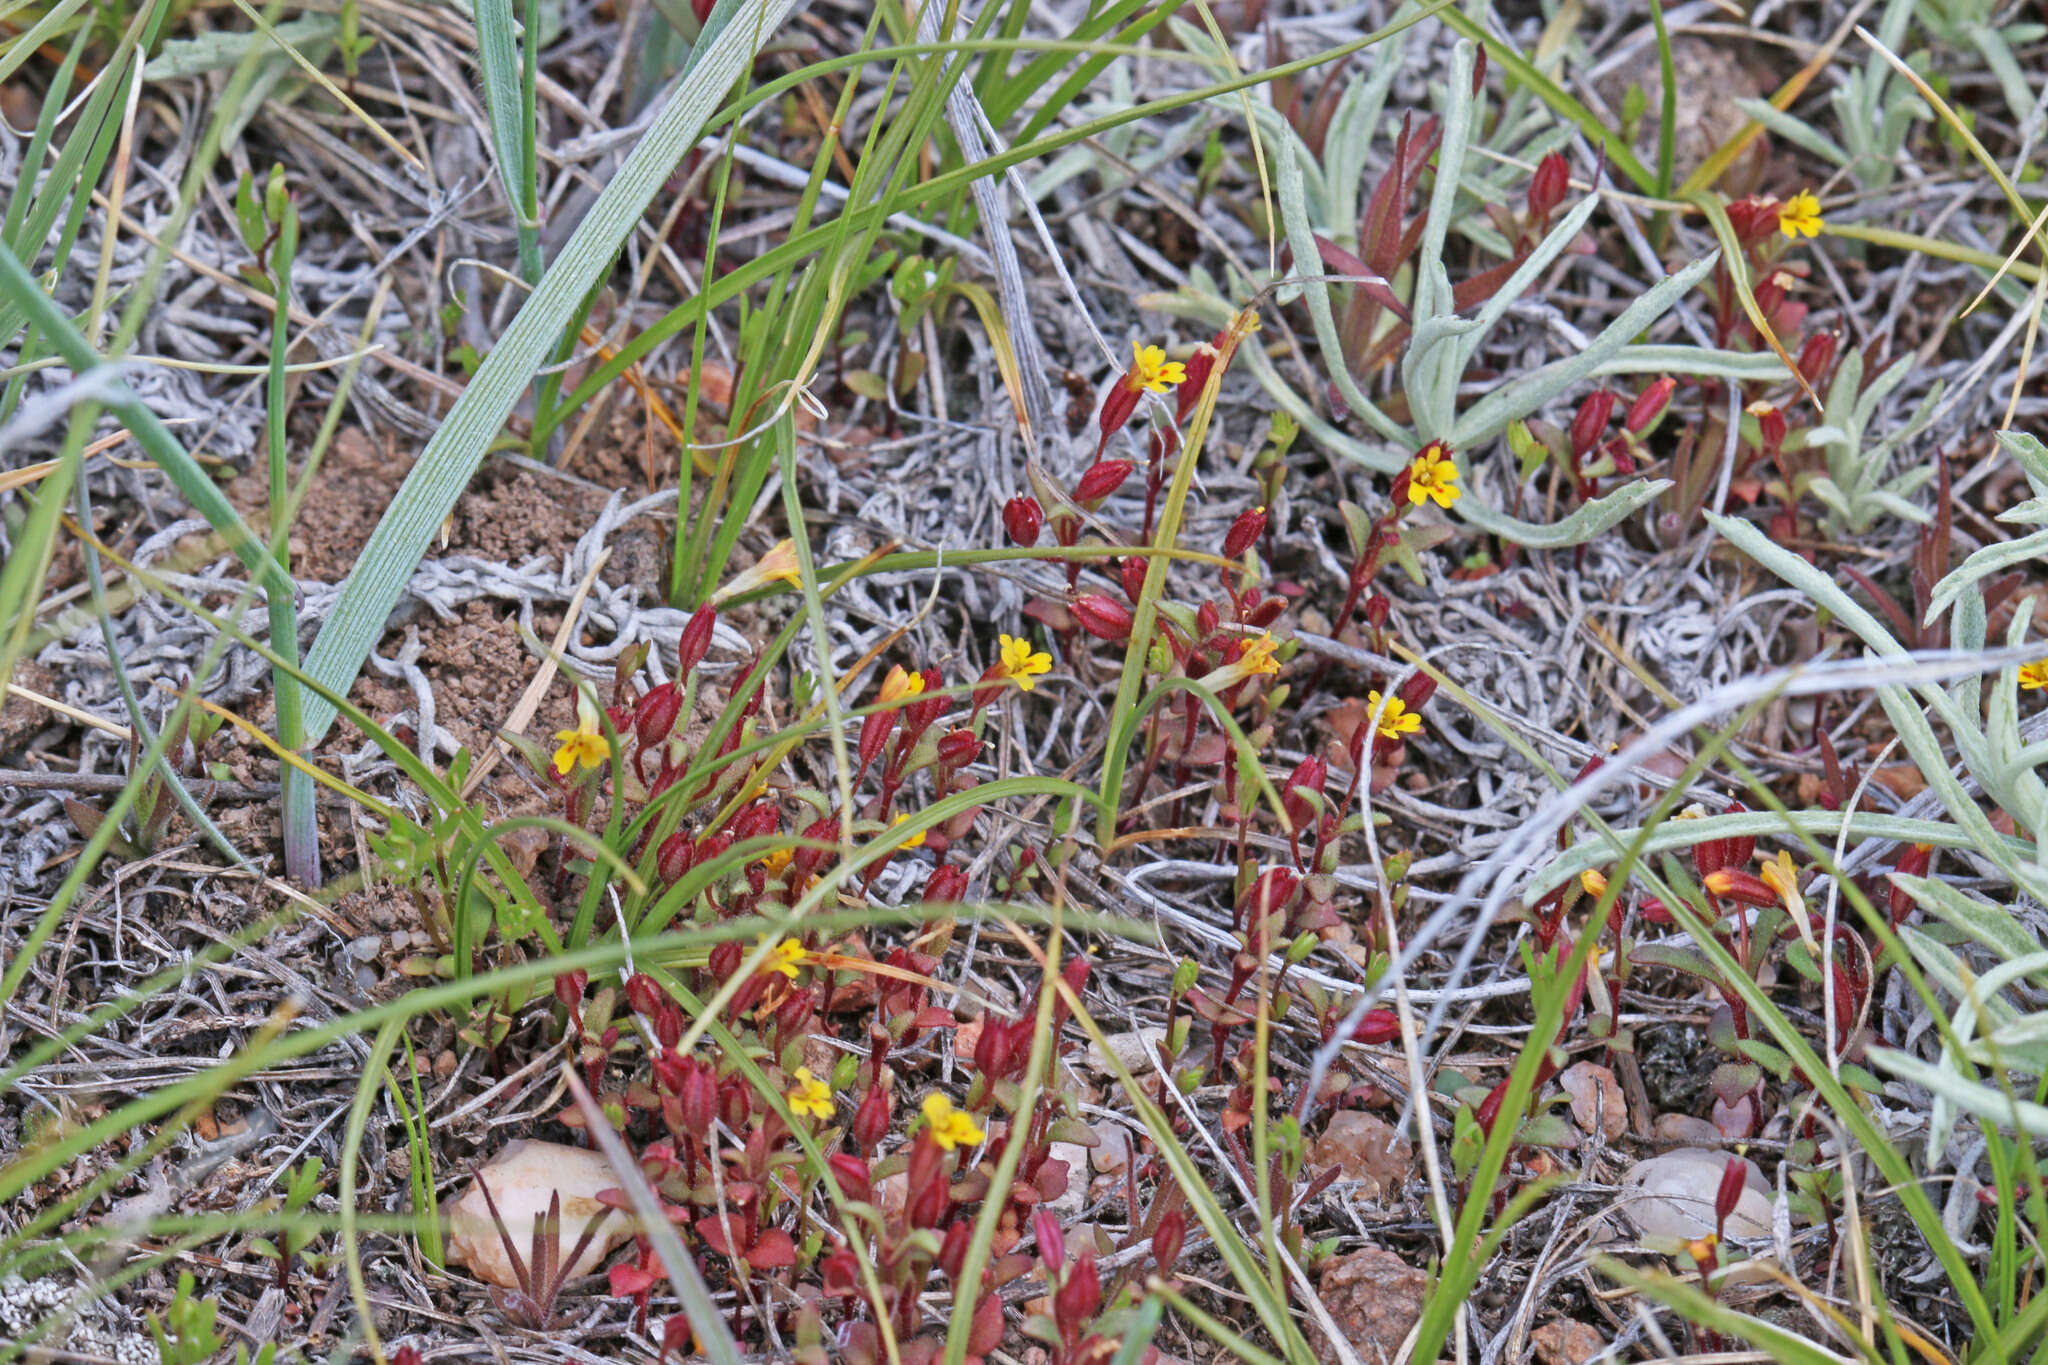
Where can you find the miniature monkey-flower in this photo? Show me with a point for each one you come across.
(779, 565)
(788, 955)
(1397, 720)
(1152, 372)
(950, 1127)
(1433, 477)
(1020, 662)
(584, 746)
(810, 1097)
(2034, 676)
(1801, 217)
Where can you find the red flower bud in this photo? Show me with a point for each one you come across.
(1117, 406)
(569, 985)
(1274, 888)
(1649, 405)
(874, 734)
(1376, 1027)
(871, 1120)
(946, 886)
(1166, 1241)
(696, 640)
(958, 748)
(1206, 620)
(698, 1095)
(1733, 1179)
(953, 1251)
(1244, 532)
(1199, 366)
(1101, 479)
(1547, 188)
(1771, 427)
(1379, 610)
(1590, 423)
(853, 1176)
(656, 714)
(992, 1049)
(1816, 356)
(921, 714)
(1024, 519)
(1415, 690)
(1081, 1295)
(841, 1272)
(1308, 776)
(756, 821)
(1052, 1242)
(1914, 862)
(644, 994)
(1744, 888)
(1102, 617)
(1131, 569)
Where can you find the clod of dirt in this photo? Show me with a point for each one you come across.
(523, 1178)
(1375, 1298)
(1133, 1050)
(1597, 1103)
(1364, 1147)
(1710, 77)
(1676, 1064)
(1566, 1343)
(1683, 1128)
(1672, 1195)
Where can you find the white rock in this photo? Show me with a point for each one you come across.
(1673, 1195)
(1134, 1050)
(523, 1178)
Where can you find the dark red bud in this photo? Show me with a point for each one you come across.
(958, 748)
(1816, 356)
(1199, 367)
(698, 1094)
(1274, 888)
(1206, 620)
(1308, 776)
(1166, 1241)
(1024, 519)
(696, 640)
(569, 985)
(702, 9)
(1590, 423)
(1914, 862)
(874, 734)
(1101, 479)
(1649, 405)
(852, 1174)
(1131, 569)
(946, 886)
(1547, 188)
(1733, 1179)
(1081, 1295)
(1117, 406)
(1376, 1027)
(1052, 1242)
(656, 714)
(871, 1120)
(1416, 689)
(644, 994)
(953, 1251)
(1244, 532)
(1102, 617)
(1771, 427)
(992, 1049)
(1378, 611)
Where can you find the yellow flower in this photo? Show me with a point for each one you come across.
(1801, 217)
(1258, 655)
(1397, 720)
(777, 860)
(779, 565)
(2034, 676)
(1152, 372)
(1433, 475)
(950, 1127)
(1021, 663)
(1783, 878)
(1595, 882)
(811, 1095)
(900, 684)
(788, 955)
(913, 841)
(584, 746)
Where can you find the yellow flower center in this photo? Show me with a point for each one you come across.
(1801, 217)
(788, 955)
(2034, 676)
